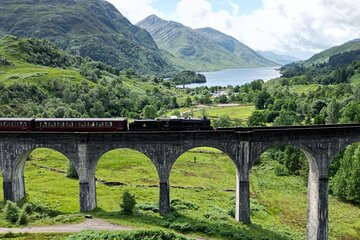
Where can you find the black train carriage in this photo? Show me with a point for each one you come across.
(16, 124)
(80, 124)
(176, 124)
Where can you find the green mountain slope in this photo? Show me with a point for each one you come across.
(204, 49)
(39, 80)
(323, 57)
(92, 28)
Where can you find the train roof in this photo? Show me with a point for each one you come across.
(79, 119)
(172, 119)
(16, 119)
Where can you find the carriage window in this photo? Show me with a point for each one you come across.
(69, 124)
(82, 124)
(107, 124)
(99, 124)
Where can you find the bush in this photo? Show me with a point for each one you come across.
(71, 171)
(128, 203)
(27, 208)
(12, 211)
(134, 235)
(23, 218)
(216, 213)
(281, 170)
(179, 204)
(149, 207)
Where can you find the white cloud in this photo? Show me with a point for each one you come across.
(136, 10)
(235, 7)
(288, 26)
(295, 27)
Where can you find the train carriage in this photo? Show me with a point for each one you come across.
(16, 124)
(80, 124)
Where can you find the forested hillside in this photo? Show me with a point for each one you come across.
(39, 80)
(320, 94)
(92, 28)
(324, 56)
(203, 49)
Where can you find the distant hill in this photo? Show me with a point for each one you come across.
(92, 28)
(278, 58)
(202, 49)
(324, 56)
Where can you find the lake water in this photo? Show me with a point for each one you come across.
(237, 76)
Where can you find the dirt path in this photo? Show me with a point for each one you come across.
(88, 224)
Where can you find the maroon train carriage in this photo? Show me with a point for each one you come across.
(16, 124)
(81, 124)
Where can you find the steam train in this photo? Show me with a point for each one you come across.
(102, 124)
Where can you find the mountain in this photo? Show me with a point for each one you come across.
(203, 49)
(323, 57)
(92, 28)
(278, 58)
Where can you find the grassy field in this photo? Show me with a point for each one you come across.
(239, 112)
(299, 89)
(205, 180)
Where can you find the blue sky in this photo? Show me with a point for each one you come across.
(246, 6)
(299, 28)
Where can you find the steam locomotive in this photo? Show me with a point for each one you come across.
(102, 124)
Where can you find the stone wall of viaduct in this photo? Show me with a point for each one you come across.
(243, 146)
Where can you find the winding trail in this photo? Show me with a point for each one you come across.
(88, 224)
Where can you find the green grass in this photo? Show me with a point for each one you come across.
(206, 178)
(355, 79)
(38, 236)
(241, 112)
(299, 89)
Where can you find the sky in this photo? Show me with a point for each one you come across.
(298, 28)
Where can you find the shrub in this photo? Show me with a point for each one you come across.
(216, 213)
(71, 171)
(154, 207)
(281, 170)
(12, 211)
(134, 235)
(231, 212)
(128, 203)
(23, 218)
(179, 204)
(27, 208)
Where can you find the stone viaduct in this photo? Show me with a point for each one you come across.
(243, 145)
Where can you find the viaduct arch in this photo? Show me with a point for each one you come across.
(243, 145)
